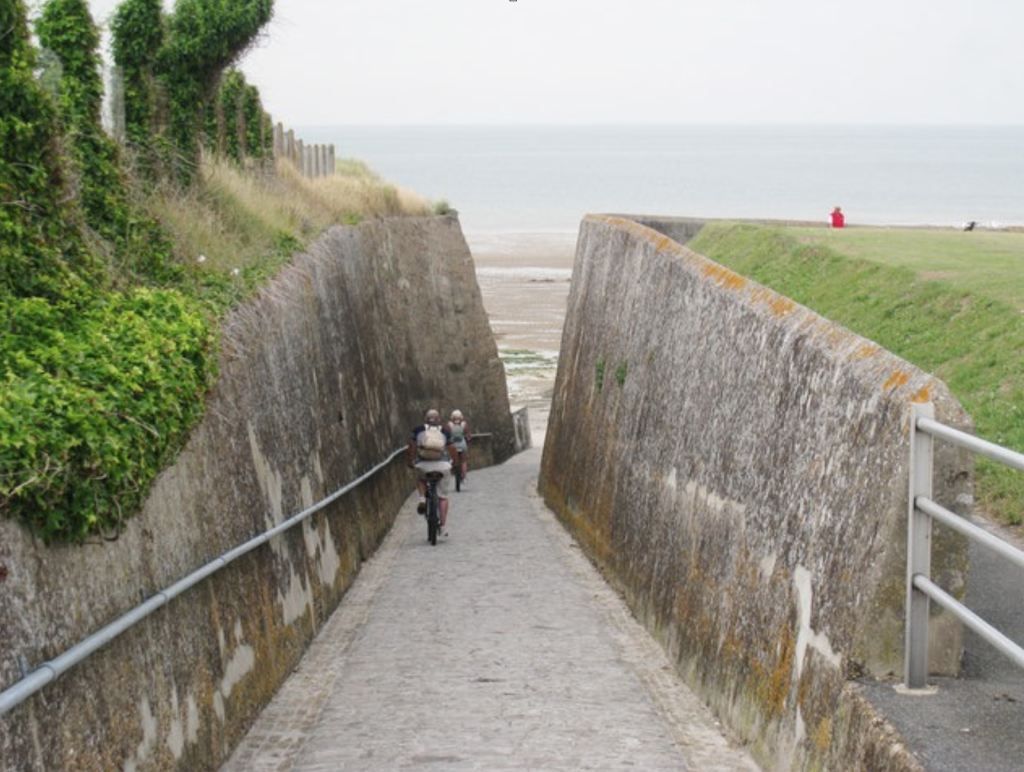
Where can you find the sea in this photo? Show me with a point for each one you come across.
(521, 192)
(543, 179)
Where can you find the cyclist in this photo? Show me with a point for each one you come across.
(431, 450)
(458, 428)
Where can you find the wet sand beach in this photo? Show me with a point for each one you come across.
(524, 281)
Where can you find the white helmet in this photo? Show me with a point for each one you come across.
(456, 415)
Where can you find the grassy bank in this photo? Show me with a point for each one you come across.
(105, 377)
(244, 224)
(947, 301)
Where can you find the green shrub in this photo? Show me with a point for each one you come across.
(95, 401)
(202, 39)
(41, 248)
(137, 35)
(139, 244)
(237, 126)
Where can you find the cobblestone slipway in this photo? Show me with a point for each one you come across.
(501, 648)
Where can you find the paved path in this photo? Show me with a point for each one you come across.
(972, 723)
(499, 649)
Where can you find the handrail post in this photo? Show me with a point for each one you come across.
(919, 552)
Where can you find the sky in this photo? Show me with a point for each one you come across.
(398, 62)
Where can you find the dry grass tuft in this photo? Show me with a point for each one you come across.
(236, 217)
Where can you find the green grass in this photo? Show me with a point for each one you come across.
(521, 361)
(947, 301)
(989, 263)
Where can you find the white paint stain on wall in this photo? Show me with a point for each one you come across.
(218, 706)
(240, 663)
(238, 667)
(184, 729)
(330, 561)
(320, 548)
(806, 637)
(767, 566)
(148, 723)
(192, 720)
(176, 734)
(270, 480)
(294, 596)
(703, 499)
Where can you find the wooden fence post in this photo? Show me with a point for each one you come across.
(312, 161)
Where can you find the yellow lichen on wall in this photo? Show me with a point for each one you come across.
(896, 380)
(723, 276)
(777, 304)
(865, 350)
(781, 306)
(773, 674)
(822, 736)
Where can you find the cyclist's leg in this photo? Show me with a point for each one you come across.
(421, 489)
(442, 492)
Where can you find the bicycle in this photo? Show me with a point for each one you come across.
(433, 512)
(457, 471)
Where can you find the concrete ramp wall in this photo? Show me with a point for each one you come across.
(322, 377)
(738, 467)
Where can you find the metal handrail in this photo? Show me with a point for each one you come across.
(972, 620)
(971, 443)
(49, 671)
(970, 530)
(923, 510)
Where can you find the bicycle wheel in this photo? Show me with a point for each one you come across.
(457, 473)
(433, 513)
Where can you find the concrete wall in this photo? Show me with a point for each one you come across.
(683, 229)
(738, 466)
(322, 377)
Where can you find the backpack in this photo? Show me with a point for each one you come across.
(458, 431)
(432, 443)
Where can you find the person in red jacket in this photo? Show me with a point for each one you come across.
(838, 220)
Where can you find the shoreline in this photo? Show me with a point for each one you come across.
(518, 250)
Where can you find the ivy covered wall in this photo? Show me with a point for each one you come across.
(106, 352)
